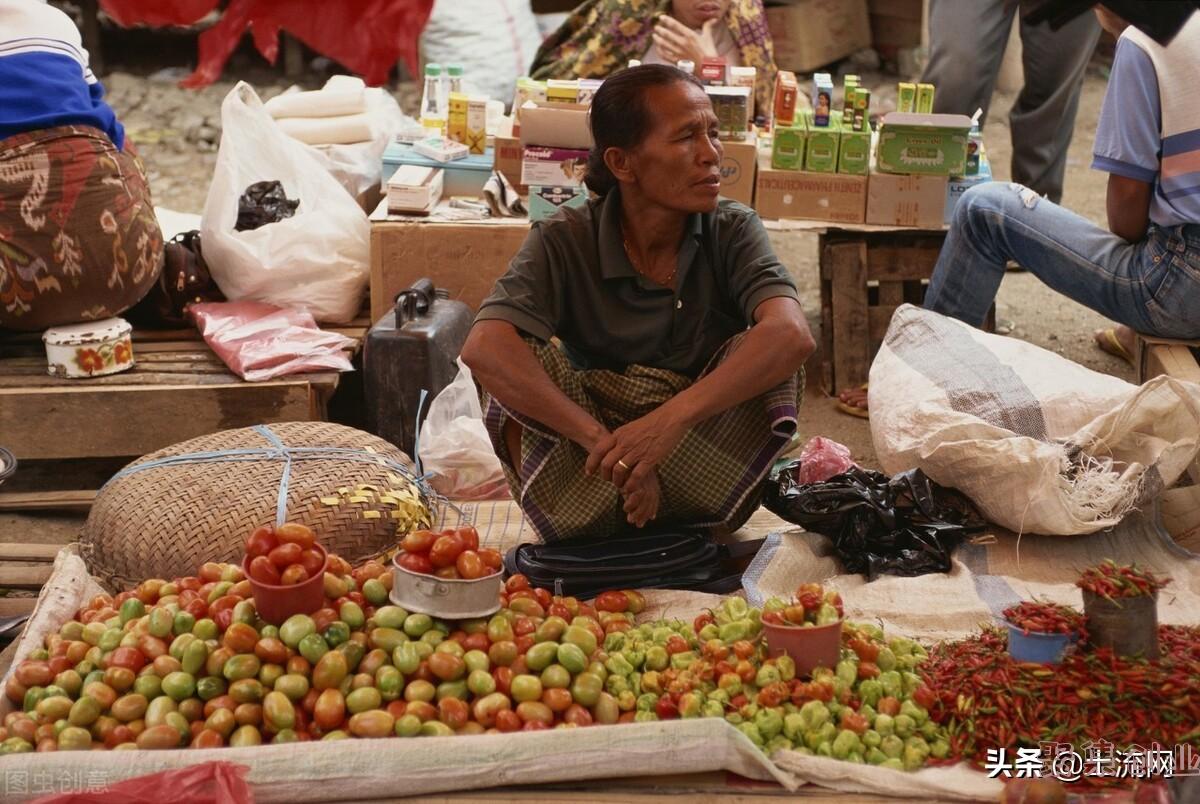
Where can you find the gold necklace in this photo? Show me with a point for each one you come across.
(629, 253)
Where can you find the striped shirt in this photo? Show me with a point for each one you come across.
(1149, 127)
(44, 76)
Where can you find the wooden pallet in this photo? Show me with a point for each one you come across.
(178, 390)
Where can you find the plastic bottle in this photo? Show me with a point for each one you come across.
(433, 100)
(455, 73)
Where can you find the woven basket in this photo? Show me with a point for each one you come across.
(168, 512)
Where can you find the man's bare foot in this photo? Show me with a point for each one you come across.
(853, 401)
(1117, 341)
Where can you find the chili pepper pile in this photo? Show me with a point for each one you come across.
(986, 700)
(1111, 580)
(1045, 618)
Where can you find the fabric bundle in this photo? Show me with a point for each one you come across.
(336, 114)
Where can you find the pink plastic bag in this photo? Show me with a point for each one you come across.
(821, 459)
(260, 341)
(206, 783)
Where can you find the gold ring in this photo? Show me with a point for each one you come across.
(623, 465)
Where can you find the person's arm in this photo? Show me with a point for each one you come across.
(502, 362)
(1128, 202)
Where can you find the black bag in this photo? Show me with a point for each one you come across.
(675, 560)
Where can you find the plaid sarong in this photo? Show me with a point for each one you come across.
(713, 479)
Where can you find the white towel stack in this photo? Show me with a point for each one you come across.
(334, 115)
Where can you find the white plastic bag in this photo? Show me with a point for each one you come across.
(1040, 444)
(455, 448)
(318, 258)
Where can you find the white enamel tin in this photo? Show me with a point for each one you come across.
(90, 349)
(448, 598)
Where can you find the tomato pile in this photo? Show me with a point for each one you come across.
(812, 606)
(453, 553)
(283, 556)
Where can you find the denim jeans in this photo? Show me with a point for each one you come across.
(1152, 286)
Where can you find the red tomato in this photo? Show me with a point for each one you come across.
(450, 573)
(295, 533)
(286, 554)
(469, 536)
(264, 571)
(293, 575)
(445, 550)
(478, 642)
(492, 559)
(210, 572)
(418, 541)
(129, 658)
(415, 562)
(339, 566)
(261, 542)
(516, 583)
(470, 565)
(612, 601)
(312, 561)
(503, 677)
(542, 595)
(924, 697)
(507, 720)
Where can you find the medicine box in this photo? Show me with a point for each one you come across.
(854, 150)
(544, 201)
(933, 144)
(555, 167)
(821, 144)
(787, 148)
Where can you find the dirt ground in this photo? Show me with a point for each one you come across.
(177, 132)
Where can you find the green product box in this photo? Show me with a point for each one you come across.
(787, 148)
(929, 144)
(821, 148)
(854, 151)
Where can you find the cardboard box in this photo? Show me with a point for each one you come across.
(732, 108)
(508, 161)
(545, 201)
(464, 258)
(463, 177)
(553, 167)
(737, 170)
(854, 151)
(813, 33)
(559, 90)
(821, 145)
(934, 144)
(413, 188)
(559, 125)
(783, 113)
(787, 147)
(815, 196)
(960, 184)
(906, 200)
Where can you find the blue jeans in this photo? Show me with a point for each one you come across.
(1152, 286)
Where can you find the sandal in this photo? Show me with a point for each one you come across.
(853, 410)
(1108, 342)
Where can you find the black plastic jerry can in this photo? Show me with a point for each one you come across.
(410, 350)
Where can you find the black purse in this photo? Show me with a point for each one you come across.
(673, 560)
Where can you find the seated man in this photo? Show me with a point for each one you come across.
(1144, 271)
(79, 240)
(682, 336)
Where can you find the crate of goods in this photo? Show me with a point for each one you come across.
(933, 144)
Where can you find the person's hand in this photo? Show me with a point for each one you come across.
(632, 452)
(677, 42)
(641, 502)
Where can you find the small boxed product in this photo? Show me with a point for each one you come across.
(712, 71)
(854, 150)
(851, 83)
(587, 90)
(561, 125)
(544, 201)
(732, 107)
(441, 149)
(415, 189)
(933, 144)
(528, 90)
(562, 91)
(787, 148)
(476, 130)
(822, 144)
(555, 167)
(924, 98)
(822, 100)
(862, 109)
(743, 77)
(906, 95)
(456, 121)
(786, 91)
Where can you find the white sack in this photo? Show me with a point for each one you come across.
(494, 40)
(1040, 444)
(455, 448)
(318, 258)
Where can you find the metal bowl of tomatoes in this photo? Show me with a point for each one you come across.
(447, 574)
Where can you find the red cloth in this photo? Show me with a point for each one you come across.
(365, 36)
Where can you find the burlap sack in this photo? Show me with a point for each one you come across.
(168, 512)
(1040, 444)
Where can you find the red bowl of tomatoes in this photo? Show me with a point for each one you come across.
(286, 570)
(447, 574)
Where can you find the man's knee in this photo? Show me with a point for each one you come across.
(985, 202)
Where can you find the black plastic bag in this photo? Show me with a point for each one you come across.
(905, 525)
(263, 202)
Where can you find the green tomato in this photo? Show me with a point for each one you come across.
(751, 731)
(313, 646)
(375, 592)
(337, 633)
(295, 629)
(844, 743)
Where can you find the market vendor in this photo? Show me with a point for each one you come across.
(682, 338)
(602, 36)
(1143, 271)
(79, 240)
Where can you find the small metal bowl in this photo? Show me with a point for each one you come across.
(447, 598)
(8, 464)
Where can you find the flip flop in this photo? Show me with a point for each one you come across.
(853, 410)
(1110, 343)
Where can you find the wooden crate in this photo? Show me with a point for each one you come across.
(178, 390)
